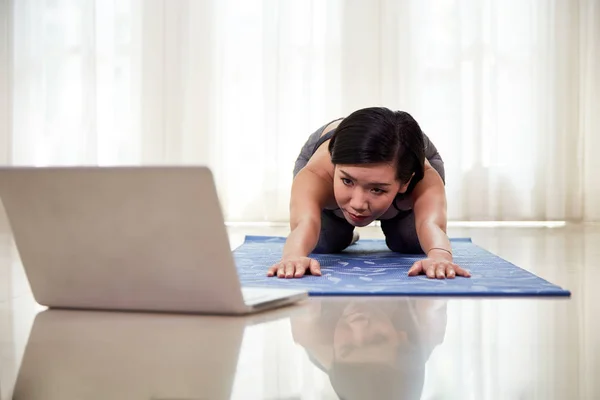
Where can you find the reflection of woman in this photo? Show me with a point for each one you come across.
(372, 349)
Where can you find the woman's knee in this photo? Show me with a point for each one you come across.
(335, 235)
(398, 244)
(330, 242)
(401, 235)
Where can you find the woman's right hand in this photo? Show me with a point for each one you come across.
(295, 267)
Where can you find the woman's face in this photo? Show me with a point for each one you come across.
(366, 333)
(365, 192)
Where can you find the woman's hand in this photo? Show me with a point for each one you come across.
(295, 267)
(439, 268)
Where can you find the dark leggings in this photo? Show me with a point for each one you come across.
(336, 233)
(400, 234)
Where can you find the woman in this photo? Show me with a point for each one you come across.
(375, 164)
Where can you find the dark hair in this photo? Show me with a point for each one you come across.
(371, 380)
(380, 135)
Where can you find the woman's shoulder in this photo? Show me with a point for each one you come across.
(320, 160)
(320, 163)
(330, 128)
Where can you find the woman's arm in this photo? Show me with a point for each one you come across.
(429, 206)
(310, 191)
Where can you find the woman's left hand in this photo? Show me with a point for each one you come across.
(437, 268)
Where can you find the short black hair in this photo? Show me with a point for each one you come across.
(379, 135)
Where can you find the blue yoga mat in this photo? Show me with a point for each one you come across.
(368, 268)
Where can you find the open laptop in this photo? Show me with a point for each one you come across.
(73, 354)
(128, 238)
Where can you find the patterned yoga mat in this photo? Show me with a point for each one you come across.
(369, 268)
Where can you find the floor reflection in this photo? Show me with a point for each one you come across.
(372, 348)
(352, 348)
(104, 355)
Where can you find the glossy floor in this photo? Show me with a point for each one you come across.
(354, 348)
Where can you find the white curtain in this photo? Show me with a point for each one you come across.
(509, 91)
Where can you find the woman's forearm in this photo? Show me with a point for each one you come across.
(303, 238)
(434, 241)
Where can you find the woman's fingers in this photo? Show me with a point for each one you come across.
(290, 269)
(295, 267)
(462, 272)
(315, 267)
(416, 268)
(430, 271)
(273, 270)
(450, 274)
(440, 272)
(301, 268)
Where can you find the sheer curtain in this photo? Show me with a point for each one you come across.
(507, 90)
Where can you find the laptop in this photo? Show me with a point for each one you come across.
(73, 354)
(131, 238)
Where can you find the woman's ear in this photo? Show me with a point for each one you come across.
(404, 186)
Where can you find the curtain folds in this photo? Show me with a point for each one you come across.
(507, 90)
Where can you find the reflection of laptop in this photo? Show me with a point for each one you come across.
(112, 355)
(127, 238)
